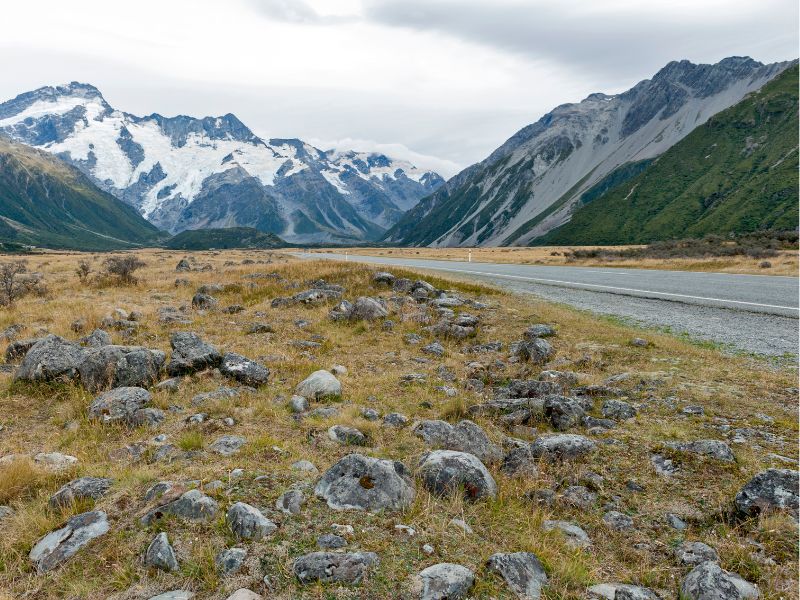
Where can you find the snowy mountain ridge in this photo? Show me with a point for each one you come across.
(185, 173)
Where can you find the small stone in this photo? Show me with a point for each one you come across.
(329, 541)
(573, 535)
(227, 444)
(191, 506)
(333, 567)
(290, 502)
(78, 489)
(523, 573)
(305, 466)
(395, 420)
(230, 561)
(444, 472)
(642, 343)
(319, 385)
(618, 521)
(460, 524)
(160, 554)
(694, 553)
(248, 523)
(445, 581)
(347, 435)
(243, 370)
(428, 550)
(675, 522)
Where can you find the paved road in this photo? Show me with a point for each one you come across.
(751, 313)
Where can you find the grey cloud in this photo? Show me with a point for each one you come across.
(295, 11)
(609, 43)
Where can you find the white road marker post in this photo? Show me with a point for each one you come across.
(345, 256)
(469, 256)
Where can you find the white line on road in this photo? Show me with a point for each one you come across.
(595, 285)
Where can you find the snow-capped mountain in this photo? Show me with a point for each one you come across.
(187, 173)
(532, 183)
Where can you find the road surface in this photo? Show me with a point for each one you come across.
(749, 313)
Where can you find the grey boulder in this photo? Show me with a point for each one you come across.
(191, 354)
(773, 489)
(51, 359)
(79, 489)
(230, 560)
(334, 567)
(227, 445)
(694, 553)
(359, 482)
(709, 448)
(59, 545)
(563, 412)
(709, 581)
(347, 435)
(444, 581)
(248, 523)
(120, 366)
(124, 405)
(320, 384)
(465, 436)
(573, 535)
(561, 446)
(367, 309)
(193, 505)
(523, 573)
(537, 351)
(617, 410)
(160, 554)
(243, 369)
(445, 472)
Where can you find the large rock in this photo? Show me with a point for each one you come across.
(248, 523)
(230, 560)
(59, 545)
(80, 489)
(561, 446)
(367, 309)
(120, 366)
(320, 384)
(447, 471)
(574, 535)
(193, 505)
(694, 553)
(364, 483)
(347, 435)
(445, 581)
(334, 567)
(709, 581)
(773, 489)
(523, 572)
(160, 555)
(51, 359)
(124, 405)
(617, 410)
(710, 448)
(191, 354)
(19, 348)
(465, 436)
(243, 369)
(537, 351)
(563, 412)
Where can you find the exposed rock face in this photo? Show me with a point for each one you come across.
(248, 523)
(444, 581)
(191, 354)
(51, 359)
(367, 309)
(363, 483)
(78, 489)
(773, 489)
(243, 370)
(523, 572)
(320, 384)
(119, 366)
(447, 471)
(709, 581)
(465, 436)
(334, 567)
(59, 545)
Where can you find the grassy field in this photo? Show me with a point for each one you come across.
(785, 263)
(669, 374)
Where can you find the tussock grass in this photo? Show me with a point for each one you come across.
(664, 377)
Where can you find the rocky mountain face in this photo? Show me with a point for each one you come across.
(46, 202)
(534, 181)
(187, 173)
(736, 173)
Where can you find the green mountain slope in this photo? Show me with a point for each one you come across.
(229, 237)
(737, 173)
(45, 202)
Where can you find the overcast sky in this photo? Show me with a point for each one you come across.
(442, 82)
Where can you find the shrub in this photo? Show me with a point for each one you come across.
(121, 268)
(83, 270)
(16, 282)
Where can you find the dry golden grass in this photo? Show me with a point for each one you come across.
(664, 377)
(786, 263)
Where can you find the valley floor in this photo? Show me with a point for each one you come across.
(786, 263)
(679, 392)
